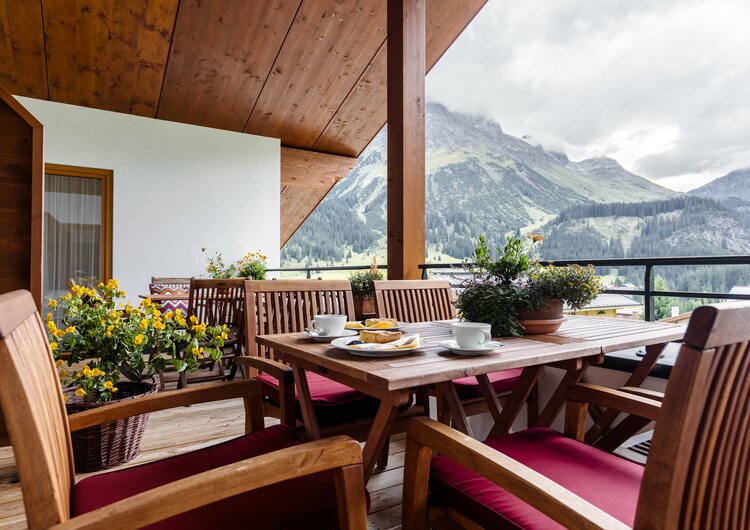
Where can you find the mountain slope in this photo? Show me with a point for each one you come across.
(732, 190)
(479, 180)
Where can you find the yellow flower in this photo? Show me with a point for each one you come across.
(88, 372)
(53, 346)
(178, 312)
(97, 372)
(143, 324)
(535, 238)
(48, 317)
(138, 340)
(70, 329)
(52, 303)
(51, 326)
(168, 315)
(59, 363)
(67, 296)
(80, 392)
(110, 327)
(108, 385)
(58, 333)
(114, 389)
(193, 319)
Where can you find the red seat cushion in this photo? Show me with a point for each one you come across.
(333, 402)
(307, 502)
(467, 387)
(605, 480)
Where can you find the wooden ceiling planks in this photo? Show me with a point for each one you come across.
(327, 49)
(108, 54)
(222, 53)
(363, 113)
(23, 69)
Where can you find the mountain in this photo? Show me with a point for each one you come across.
(732, 190)
(479, 180)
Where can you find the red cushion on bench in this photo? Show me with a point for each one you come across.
(333, 402)
(307, 502)
(467, 387)
(605, 480)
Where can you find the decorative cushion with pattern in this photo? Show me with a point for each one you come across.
(171, 305)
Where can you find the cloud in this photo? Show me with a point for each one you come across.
(660, 86)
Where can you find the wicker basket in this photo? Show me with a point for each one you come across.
(110, 444)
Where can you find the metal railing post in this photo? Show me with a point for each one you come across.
(648, 292)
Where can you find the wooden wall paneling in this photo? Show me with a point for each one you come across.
(222, 52)
(406, 142)
(363, 113)
(328, 47)
(23, 69)
(21, 198)
(109, 54)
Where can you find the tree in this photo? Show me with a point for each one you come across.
(662, 304)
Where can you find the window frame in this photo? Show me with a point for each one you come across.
(106, 176)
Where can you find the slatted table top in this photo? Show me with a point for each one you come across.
(577, 338)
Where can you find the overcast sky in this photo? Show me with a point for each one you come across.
(663, 86)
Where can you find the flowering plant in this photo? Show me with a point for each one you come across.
(118, 339)
(252, 265)
(362, 286)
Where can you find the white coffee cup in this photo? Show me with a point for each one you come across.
(471, 335)
(328, 324)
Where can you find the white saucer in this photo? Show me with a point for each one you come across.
(328, 338)
(488, 348)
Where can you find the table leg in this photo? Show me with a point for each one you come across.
(516, 400)
(458, 415)
(573, 375)
(380, 432)
(639, 375)
(305, 401)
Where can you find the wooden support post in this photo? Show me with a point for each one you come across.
(406, 143)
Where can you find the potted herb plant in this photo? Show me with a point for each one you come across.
(112, 349)
(516, 294)
(363, 290)
(251, 266)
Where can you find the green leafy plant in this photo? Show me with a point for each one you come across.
(252, 265)
(575, 285)
(118, 339)
(362, 286)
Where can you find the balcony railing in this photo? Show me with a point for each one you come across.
(648, 292)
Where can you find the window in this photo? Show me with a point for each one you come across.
(77, 227)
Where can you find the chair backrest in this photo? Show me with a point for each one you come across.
(414, 300)
(217, 302)
(32, 402)
(171, 282)
(287, 306)
(698, 469)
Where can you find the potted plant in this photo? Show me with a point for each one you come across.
(251, 266)
(122, 347)
(516, 294)
(363, 290)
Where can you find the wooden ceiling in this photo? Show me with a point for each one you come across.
(310, 72)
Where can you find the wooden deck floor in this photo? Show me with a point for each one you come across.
(184, 429)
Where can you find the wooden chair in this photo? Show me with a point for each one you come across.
(427, 300)
(218, 302)
(233, 484)
(287, 306)
(170, 281)
(696, 475)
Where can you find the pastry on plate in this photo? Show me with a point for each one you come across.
(354, 325)
(381, 323)
(379, 337)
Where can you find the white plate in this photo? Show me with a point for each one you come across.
(328, 338)
(488, 348)
(399, 327)
(342, 344)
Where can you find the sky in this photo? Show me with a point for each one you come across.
(662, 86)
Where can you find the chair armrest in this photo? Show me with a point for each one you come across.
(340, 453)
(280, 371)
(174, 398)
(615, 399)
(544, 494)
(643, 392)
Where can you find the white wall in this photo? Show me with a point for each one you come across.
(177, 188)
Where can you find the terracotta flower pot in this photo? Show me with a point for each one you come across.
(364, 308)
(546, 319)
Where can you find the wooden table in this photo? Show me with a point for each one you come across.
(581, 341)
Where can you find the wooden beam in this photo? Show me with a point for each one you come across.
(406, 144)
(306, 178)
